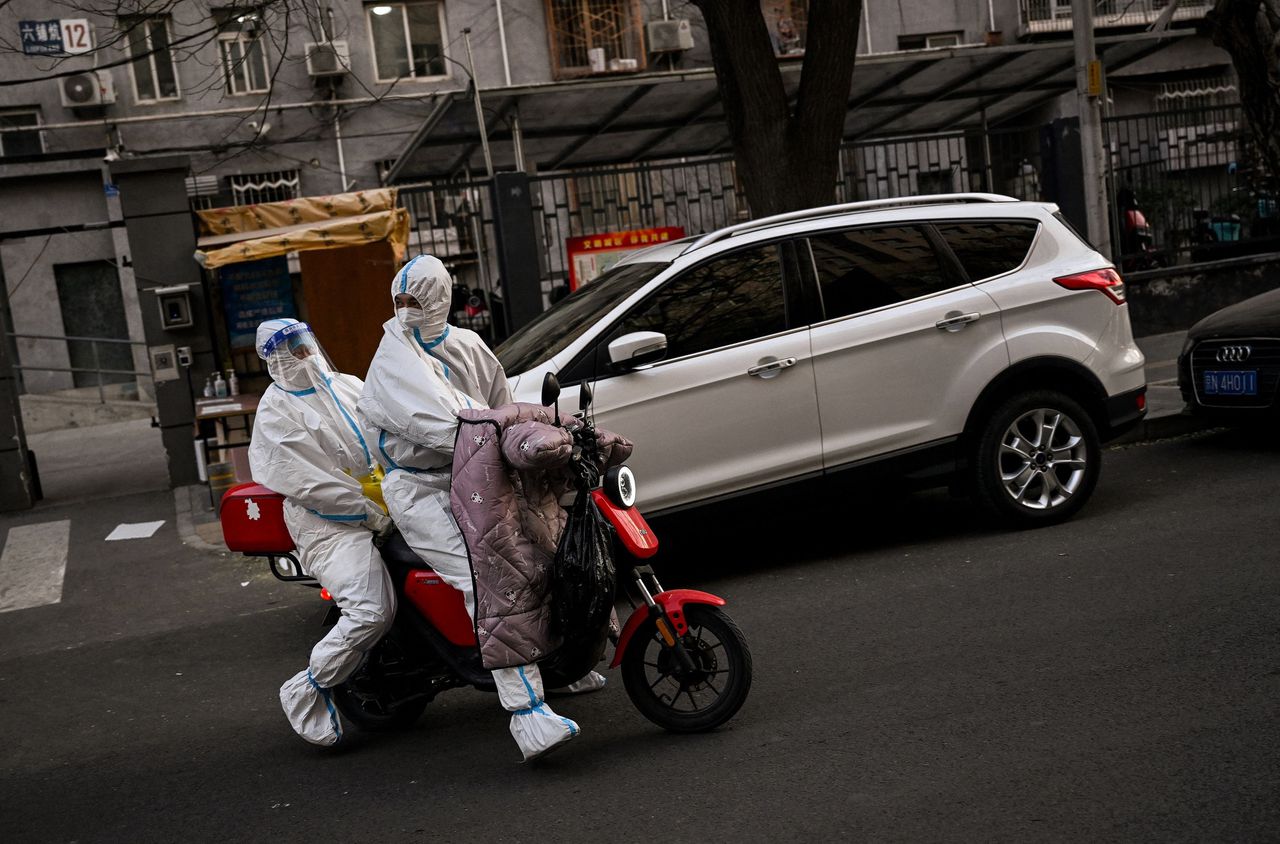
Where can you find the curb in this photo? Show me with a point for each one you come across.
(1163, 427)
(185, 522)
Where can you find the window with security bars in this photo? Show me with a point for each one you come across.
(1193, 94)
(255, 188)
(595, 36)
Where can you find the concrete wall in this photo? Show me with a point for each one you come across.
(1176, 298)
(39, 202)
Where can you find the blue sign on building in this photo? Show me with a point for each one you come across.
(41, 38)
(254, 291)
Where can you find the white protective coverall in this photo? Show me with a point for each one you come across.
(423, 373)
(307, 446)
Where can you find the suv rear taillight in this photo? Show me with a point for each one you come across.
(1107, 280)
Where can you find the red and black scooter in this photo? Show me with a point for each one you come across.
(685, 664)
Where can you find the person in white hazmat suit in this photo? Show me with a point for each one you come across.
(307, 445)
(423, 373)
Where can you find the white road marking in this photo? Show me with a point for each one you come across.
(33, 564)
(140, 530)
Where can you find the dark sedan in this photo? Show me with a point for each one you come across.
(1230, 365)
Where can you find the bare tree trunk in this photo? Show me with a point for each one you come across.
(787, 156)
(1250, 31)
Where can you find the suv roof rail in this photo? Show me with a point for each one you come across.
(831, 210)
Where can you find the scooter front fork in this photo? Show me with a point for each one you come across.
(670, 629)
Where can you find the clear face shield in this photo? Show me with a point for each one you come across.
(295, 359)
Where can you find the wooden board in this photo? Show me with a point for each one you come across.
(346, 297)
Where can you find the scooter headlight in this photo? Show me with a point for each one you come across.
(620, 486)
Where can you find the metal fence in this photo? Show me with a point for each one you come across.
(1043, 16)
(454, 222)
(102, 376)
(1191, 173)
(1188, 170)
(697, 196)
(1007, 161)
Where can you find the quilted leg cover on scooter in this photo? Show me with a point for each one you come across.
(507, 481)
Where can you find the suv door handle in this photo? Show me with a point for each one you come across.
(955, 323)
(773, 366)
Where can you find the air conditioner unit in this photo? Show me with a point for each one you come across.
(88, 89)
(670, 36)
(330, 58)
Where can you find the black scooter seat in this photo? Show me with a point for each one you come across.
(397, 554)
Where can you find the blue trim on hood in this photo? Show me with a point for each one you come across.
(404, 275)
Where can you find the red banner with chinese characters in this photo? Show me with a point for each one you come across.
(591, 256)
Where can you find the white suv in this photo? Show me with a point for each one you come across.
(963, 336)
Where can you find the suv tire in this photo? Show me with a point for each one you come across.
(1036, 459)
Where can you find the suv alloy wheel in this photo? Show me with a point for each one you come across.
(1037, 459)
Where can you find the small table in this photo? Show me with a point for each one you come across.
(212, 428)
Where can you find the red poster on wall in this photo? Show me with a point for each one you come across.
(592, 255)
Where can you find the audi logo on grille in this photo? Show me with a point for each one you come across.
(1233, 354)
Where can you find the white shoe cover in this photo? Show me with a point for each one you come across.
(310, 710)
(538, 730)
(593, 682)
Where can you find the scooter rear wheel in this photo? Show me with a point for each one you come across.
(375, 714)
(689, 701)
(377, 698)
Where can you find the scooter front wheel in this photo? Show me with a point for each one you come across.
(683, 699)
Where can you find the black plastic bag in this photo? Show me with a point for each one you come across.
(583, 578)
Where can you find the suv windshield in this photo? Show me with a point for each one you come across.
(558, 326)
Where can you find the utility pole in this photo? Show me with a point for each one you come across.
(1089, 90)
(481, 126)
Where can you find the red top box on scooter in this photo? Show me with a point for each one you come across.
(253, 521)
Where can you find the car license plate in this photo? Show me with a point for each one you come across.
(1237, 383)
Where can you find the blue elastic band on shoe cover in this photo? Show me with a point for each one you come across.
(333, 713)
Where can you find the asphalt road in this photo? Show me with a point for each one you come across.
(918, 677)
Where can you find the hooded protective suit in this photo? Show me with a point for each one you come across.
(307, 445)
(423, 373)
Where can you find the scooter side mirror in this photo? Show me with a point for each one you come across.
(550, 389)
(585, 396)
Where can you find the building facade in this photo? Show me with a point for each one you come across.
(278, 99)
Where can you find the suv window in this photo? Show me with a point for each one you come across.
(728, 300)
(862, 269)
(554, 329)
(987, 248)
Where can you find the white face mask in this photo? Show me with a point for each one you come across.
(411, 317)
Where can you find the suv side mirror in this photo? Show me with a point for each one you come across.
(637, 349)
(550, 389)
